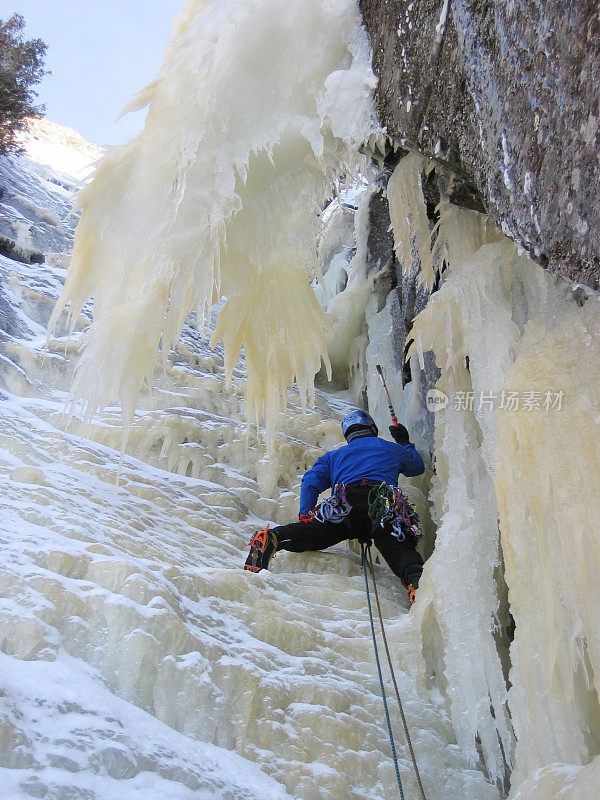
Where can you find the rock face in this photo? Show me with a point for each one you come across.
(504, 94)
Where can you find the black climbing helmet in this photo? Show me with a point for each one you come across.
(358, 423)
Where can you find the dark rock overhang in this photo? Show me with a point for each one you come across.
(505, 96)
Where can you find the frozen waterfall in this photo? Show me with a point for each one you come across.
(137, 657)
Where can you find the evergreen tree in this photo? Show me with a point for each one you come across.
(21, 67)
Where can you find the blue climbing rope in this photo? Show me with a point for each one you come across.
(385, 705)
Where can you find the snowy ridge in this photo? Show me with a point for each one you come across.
(63, 150)
(36, 219)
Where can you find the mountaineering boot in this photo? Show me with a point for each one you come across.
(263, 546)
(411, 581)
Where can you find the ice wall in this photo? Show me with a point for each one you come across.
(137, 658)
(226, 202)
(514, 497)
(257, 109)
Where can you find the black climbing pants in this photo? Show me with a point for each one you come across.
(402, 557)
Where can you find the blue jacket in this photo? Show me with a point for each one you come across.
(366, 457)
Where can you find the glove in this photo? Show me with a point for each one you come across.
(399, 434)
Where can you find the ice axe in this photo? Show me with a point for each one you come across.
(390, 406)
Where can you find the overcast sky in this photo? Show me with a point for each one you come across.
(100, 52)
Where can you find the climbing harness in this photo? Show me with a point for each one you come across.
(389, 506)
(334, 508)
(366, 550)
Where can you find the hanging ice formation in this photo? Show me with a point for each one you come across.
(258, 108)
(513, 496)
(515, 500)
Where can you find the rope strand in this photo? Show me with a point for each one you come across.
(385, 705)
(387, 650)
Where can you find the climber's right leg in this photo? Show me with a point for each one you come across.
(402, 557)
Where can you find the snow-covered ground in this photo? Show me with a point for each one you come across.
(137, 657)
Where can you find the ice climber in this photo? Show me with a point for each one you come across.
(365, 502)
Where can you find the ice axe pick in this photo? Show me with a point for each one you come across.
(390, 406)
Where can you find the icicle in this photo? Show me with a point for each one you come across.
(501, 328)
(408, 215)
(240, 118)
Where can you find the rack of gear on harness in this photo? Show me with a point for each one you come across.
(334, 508)
(389, 506)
